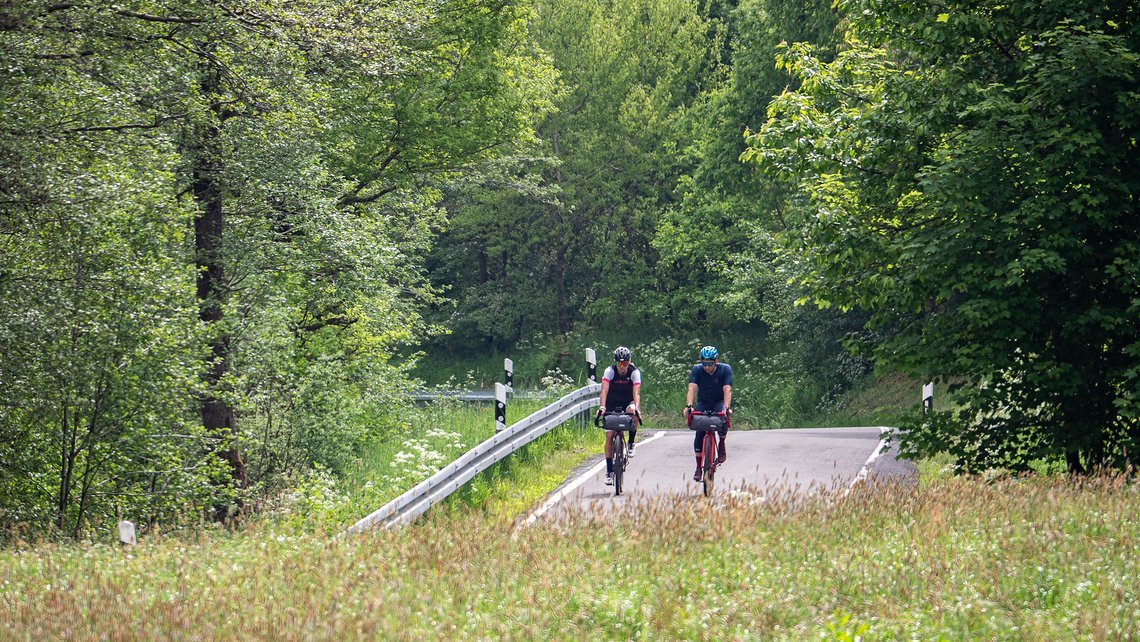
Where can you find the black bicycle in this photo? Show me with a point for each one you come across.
(710, 422)
(618, 422)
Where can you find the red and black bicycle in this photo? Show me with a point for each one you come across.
(711, 423)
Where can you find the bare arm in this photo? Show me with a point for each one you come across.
(692, 393)
(605, 391)
(727, 397)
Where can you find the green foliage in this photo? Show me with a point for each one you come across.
(97, 326)
(226, 208)
(634, 221)
(967, 185)
(873, 399)
(715, 243)
(562, 235)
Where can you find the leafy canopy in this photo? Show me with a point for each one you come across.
(971, 176)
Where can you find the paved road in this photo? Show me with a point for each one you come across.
(796, 461)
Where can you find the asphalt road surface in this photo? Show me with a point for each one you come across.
(798, 461)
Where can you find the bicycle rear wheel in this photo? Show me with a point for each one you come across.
(619, 462)
(708, 462)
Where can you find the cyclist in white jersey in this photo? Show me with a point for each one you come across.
(621, 391)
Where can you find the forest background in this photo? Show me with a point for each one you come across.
(233, 238)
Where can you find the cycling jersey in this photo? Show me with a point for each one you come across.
(620, 393)
(710, 387)
(710, 395)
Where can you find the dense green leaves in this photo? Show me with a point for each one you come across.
(212, 221)
(972, 182)
(563, 235)
(713, 237)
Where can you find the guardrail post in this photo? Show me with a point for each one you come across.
(500, 407)
(928, 398)
(509, 375)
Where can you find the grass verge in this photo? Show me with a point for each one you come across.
(514, 486)
(1039, 558)
(431, 437)
(877, 400)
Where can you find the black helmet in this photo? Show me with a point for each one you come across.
(622, 354)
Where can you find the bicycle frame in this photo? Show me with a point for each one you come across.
(708, 455)
(617, 441)
(620, 460)
(708, 461)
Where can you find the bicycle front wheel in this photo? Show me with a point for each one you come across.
(709, 462)
(619, 462)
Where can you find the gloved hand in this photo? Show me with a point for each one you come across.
(601, 411)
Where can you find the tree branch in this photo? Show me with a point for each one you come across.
(354, 196)
(339, 322)
(353, 200)
(166, 19)
(577, 108)
(159, 121)
(67, 56)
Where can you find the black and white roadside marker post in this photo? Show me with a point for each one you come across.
(500, 407)
(509, 375)
(928, 398)
(592, 377)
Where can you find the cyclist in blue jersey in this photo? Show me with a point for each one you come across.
(710, 385)
(621, 392)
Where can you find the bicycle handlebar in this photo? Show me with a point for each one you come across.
(709, 413)
(598, 417)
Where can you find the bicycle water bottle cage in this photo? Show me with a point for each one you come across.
(706, 422)
(618, 422)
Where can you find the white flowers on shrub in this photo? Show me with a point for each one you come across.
(419, 458)
(317, 491)
(665, 360)
(455, 439)
(556, 380)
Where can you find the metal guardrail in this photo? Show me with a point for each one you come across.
(450, 478)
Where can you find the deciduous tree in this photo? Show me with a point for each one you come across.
(972, 170)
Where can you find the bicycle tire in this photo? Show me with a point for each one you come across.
(619, 462)
(709, 461)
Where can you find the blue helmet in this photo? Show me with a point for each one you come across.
(708, 352)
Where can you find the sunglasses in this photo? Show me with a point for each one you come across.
(708, 363)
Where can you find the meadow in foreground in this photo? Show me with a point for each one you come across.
(1038, 558)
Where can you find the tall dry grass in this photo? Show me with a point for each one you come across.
(1036, 559)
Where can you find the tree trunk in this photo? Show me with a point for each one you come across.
(562, 302)
(66, 465)
(1073, 462)
(563, 297)
(209, 228)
